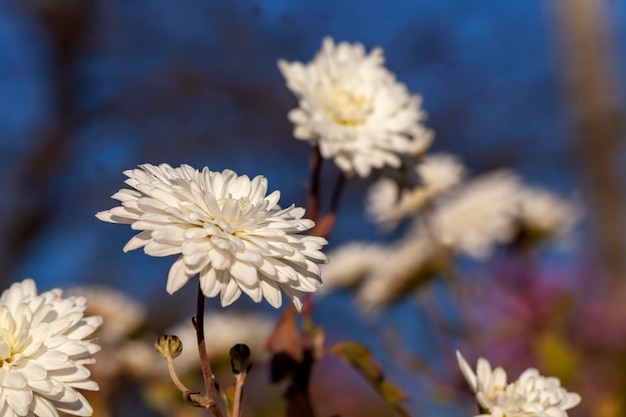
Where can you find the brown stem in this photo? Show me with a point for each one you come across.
(334, 203)
(198, 323)
(314, 186)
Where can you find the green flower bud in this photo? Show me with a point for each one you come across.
(169, 346)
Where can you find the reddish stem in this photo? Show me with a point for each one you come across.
(198, 323)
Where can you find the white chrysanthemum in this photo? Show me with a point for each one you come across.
(121, 314)
(43, 352)
(406, 266)
(390, 201)
(532, 395)
(479, 215)
(354, 109)
(545, 214)
(350, 263)
(225, 229)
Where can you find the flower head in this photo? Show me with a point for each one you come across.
(479, 215)
(223, 227)
(545, 215)
(353, 108)
(407, 265)
(43, 352)
(391, 200)
(532, 395)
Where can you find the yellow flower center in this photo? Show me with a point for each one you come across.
(347, 108)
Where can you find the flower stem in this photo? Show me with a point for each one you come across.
(334, 203)
(179, 384)
(314, 186)
(198, 323)
(238, 394)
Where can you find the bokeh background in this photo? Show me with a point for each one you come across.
(90, 88)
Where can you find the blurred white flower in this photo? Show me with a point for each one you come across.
(120, 313)
(225, 229)
(532, 395)
(546, 215)
(354, 109)
(349, 264)
(389, 201)
(479, 215)
(43, 352)
(406, 265)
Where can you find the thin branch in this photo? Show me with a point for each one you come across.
(198, 323)
(337, 191)
(239, 380)
(314, 186)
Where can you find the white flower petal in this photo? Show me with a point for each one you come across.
(44, 367)
(177, 276)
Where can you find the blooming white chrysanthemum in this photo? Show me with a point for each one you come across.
(532, 395)
(545, 214)
(43, 352)
(225, 229)
(353, 108)
(350, 263)
(390, 201)
(120, 313)
(406, 265)
(479, 215)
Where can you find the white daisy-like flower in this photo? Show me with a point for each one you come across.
(223, 227)
(390, 200)
(532, 395)
(353, 108)
(350, 263)
(406, 265)
(479, 215)
(546, 215)
(43, 352)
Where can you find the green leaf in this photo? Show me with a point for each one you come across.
(360, 358)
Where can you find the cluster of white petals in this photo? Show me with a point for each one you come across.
(532, 395)
(479, 215)
(381, 273)
(390, 200)
(406, 266)
(353, 108)
(349, 264)
(43, 352)
(223, 227)
(546, 214)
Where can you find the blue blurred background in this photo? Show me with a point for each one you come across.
(90, 88)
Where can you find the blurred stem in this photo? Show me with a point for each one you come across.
(198, 323)
(314, 186)
(339, 185)
(592, 89)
